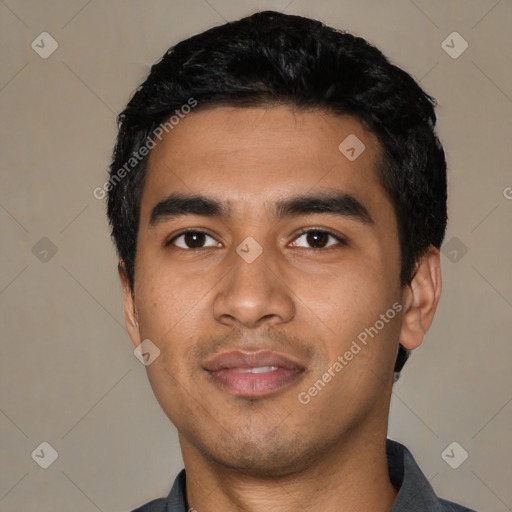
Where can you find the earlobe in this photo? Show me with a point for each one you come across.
(420, 300)
(130, 312)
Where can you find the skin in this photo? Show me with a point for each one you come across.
(274, 453)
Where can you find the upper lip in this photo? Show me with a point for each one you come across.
(252, 359)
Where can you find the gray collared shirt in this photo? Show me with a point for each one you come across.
(415, 494)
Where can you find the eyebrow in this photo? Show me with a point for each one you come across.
(334, 203)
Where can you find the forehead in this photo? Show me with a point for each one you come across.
(255, 155)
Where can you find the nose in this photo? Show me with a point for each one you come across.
(254, 293)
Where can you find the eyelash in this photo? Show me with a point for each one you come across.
(341, 240)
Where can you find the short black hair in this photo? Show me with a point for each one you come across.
(271, 59)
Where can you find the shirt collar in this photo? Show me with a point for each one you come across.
(176, 499)
(414, 490)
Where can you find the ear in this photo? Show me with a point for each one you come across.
(420, 299)
(130, 313)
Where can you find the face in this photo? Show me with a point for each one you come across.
(288, 264)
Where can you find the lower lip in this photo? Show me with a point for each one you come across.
(251, 385)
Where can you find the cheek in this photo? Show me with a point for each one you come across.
(350, 295)
(171, 313)
(345, 309)
(166, 299)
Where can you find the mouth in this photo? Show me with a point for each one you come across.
(253, 374)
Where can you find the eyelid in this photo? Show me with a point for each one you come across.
(170, 241)
(340, 238)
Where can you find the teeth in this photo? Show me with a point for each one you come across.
(258, 369)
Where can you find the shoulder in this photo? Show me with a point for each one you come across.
(414, 490)
(449, 506)
(159, 505)
(175, 502)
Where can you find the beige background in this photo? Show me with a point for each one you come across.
(67, 371)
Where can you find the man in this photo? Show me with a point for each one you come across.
(278, 200)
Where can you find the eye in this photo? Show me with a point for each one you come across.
(193, 240)
(318, 238)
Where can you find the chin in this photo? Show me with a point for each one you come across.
(269, 458)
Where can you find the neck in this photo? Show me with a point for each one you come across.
(352, 476)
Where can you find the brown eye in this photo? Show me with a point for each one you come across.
(317, 239)
(192, 240)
